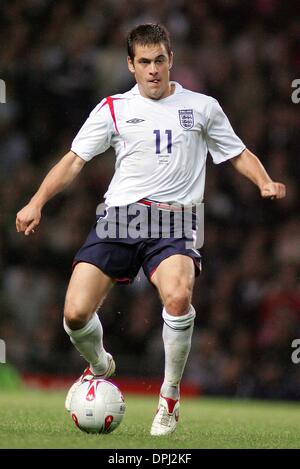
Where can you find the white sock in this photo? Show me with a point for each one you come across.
(89, 342)
(177, 335)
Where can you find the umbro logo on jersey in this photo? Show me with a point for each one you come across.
(135, 121)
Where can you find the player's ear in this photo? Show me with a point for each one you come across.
(130, 65)
(171, 60)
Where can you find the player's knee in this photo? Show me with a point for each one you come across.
(75, 317)
(177, 302)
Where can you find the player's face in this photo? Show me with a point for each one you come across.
(151, 68)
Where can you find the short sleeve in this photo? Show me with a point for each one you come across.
(94, 136)
(222, 142)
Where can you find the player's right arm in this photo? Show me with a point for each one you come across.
(59, 177)
(92, 139)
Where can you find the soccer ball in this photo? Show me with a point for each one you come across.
(97, 406)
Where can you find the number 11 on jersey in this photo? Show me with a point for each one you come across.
(168, 132)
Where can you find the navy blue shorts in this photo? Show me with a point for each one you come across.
(121, 257)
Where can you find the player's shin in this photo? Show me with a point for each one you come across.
(89, 342)
(177, 335)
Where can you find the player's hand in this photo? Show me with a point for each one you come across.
(273, 190)
(28, 219)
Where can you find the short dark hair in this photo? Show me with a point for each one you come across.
(147, 34)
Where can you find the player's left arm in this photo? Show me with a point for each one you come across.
(250, 166)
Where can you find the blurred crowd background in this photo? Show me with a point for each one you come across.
(59, 59)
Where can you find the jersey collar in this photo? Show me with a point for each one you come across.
(178, 89)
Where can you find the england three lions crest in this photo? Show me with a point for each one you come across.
(186, 118)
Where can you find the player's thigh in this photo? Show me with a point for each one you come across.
(175, 277)
(87, 289)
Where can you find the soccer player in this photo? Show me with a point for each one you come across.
(161, 134)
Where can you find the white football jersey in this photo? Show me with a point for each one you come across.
(161, 145)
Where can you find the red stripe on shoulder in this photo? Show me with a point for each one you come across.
(110, 101)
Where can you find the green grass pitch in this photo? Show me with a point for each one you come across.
(37, 419)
